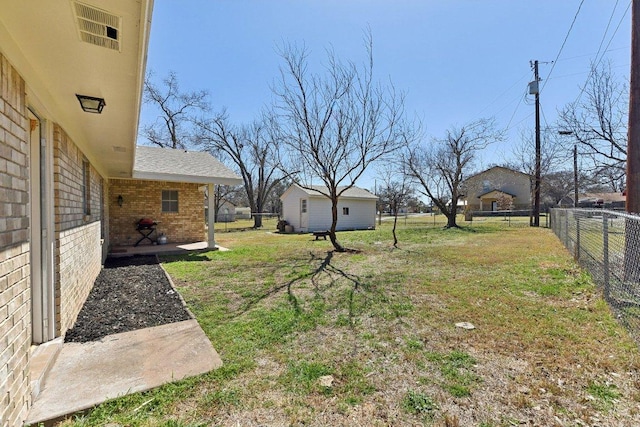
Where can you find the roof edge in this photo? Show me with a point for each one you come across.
(154, 176)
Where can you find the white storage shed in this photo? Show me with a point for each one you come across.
(307, 210)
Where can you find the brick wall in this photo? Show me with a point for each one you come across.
(15, 334)
(143, 199)
(80, 263)
(14, 151)
(78, 235)
(67, 176)
(15, 314)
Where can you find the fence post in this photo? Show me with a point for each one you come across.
(566, 229)
(577, 248)
(605, 255)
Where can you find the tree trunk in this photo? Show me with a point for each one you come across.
(395, 237)
(334, 223)
(257, 221)
(451, 219)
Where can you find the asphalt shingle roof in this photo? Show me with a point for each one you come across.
(353, 192)
(156, 163)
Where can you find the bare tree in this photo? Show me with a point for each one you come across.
(255, 153)
(556, 186)
(552, 155)
(439, 167)
(599, 124)
(394, 192)
(335, 124)
(173, 126)
(222, 194)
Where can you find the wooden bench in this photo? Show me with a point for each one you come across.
(322, 234)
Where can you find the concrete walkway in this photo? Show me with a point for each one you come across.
(168, 249)
(86, 374)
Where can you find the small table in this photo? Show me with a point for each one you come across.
(322, 234)
(146, 230)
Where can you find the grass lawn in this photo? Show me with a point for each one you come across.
(312, 337)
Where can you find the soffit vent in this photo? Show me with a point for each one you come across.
(97, 26)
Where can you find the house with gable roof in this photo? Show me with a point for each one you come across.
(496, 186)
(308, 210)
(71, 80)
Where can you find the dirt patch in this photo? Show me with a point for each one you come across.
(130, 293)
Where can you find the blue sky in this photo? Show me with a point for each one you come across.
(457, 60)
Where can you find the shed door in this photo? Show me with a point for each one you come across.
(304, 215)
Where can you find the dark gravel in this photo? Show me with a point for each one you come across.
(130, 293)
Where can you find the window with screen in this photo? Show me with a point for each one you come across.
(169, 200)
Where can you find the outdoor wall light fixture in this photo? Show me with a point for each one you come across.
(91, 104)
(120, 200)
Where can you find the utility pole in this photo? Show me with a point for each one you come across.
(633, 143)
(536, 189)
(575, 167)
(632, 227)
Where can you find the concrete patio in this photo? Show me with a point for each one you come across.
(67, 378)
(168, 249)
(73, 377)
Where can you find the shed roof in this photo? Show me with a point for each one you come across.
(351, 193)
(166, 164)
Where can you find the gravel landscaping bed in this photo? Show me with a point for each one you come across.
(130, 293)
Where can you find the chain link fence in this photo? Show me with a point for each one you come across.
(607, 244)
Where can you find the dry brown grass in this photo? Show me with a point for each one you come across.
(284, 310)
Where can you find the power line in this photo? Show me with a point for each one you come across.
(503, 93)
(626, 66)
(592, 54)
(523, 99)
(582, 89)
(563, 43)
(615, 32)
(544, 118)
(606, 30)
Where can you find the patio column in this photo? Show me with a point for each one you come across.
(211, 217)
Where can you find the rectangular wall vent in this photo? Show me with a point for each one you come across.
(97, 26)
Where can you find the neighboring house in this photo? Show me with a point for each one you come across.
(308, 210)
(226, 211)
(497, 188)
(243, 212)
(603, 200)
(62, 168)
